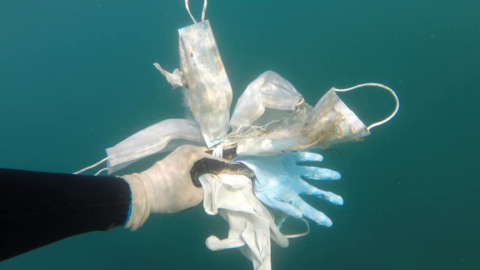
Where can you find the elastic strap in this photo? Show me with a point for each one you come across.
(203, 11)
(93, 166)
(381, 86)
(300, 234)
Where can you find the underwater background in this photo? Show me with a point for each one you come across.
(76, 77)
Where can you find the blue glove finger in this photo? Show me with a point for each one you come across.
(315, 173)
(305, 157)
(274, 203)
(312, 213)
(307, 189)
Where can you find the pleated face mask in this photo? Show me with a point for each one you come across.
(206, 88)
(328, 123)
(207, 94)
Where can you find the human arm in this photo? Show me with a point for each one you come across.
(40, 208)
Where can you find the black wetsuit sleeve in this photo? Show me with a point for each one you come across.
(37, 208)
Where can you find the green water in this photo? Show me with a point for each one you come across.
(76, 77)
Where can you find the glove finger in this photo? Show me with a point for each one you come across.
(281, 206)
(315, 173)
(308, 189)
(288, 209)
(305, 157)
(312, 213)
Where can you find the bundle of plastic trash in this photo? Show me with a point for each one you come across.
(270, 128)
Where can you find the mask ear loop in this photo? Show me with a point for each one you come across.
(381, 86)
(297, 235)
(93, 166)
(203, 11)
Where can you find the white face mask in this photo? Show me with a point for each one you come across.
(329, 122)
(160, 137)
(207, 94)
(206, 87)
(163, 136)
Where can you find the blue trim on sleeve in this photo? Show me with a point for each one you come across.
(129, 207)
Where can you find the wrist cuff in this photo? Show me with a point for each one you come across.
(140, 209)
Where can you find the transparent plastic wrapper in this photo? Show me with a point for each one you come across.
(206, 87)
(163, 136)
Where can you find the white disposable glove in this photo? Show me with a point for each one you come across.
(167, 186)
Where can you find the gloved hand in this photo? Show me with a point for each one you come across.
(168, 187)
(278, 183)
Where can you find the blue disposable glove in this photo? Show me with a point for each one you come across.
(278, 183)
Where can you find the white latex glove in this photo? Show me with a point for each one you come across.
(167, 186)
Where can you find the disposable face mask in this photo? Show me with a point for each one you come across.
(329, 122)
(160, 137)
(206, 88)
(207, 93)
(251, 224)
